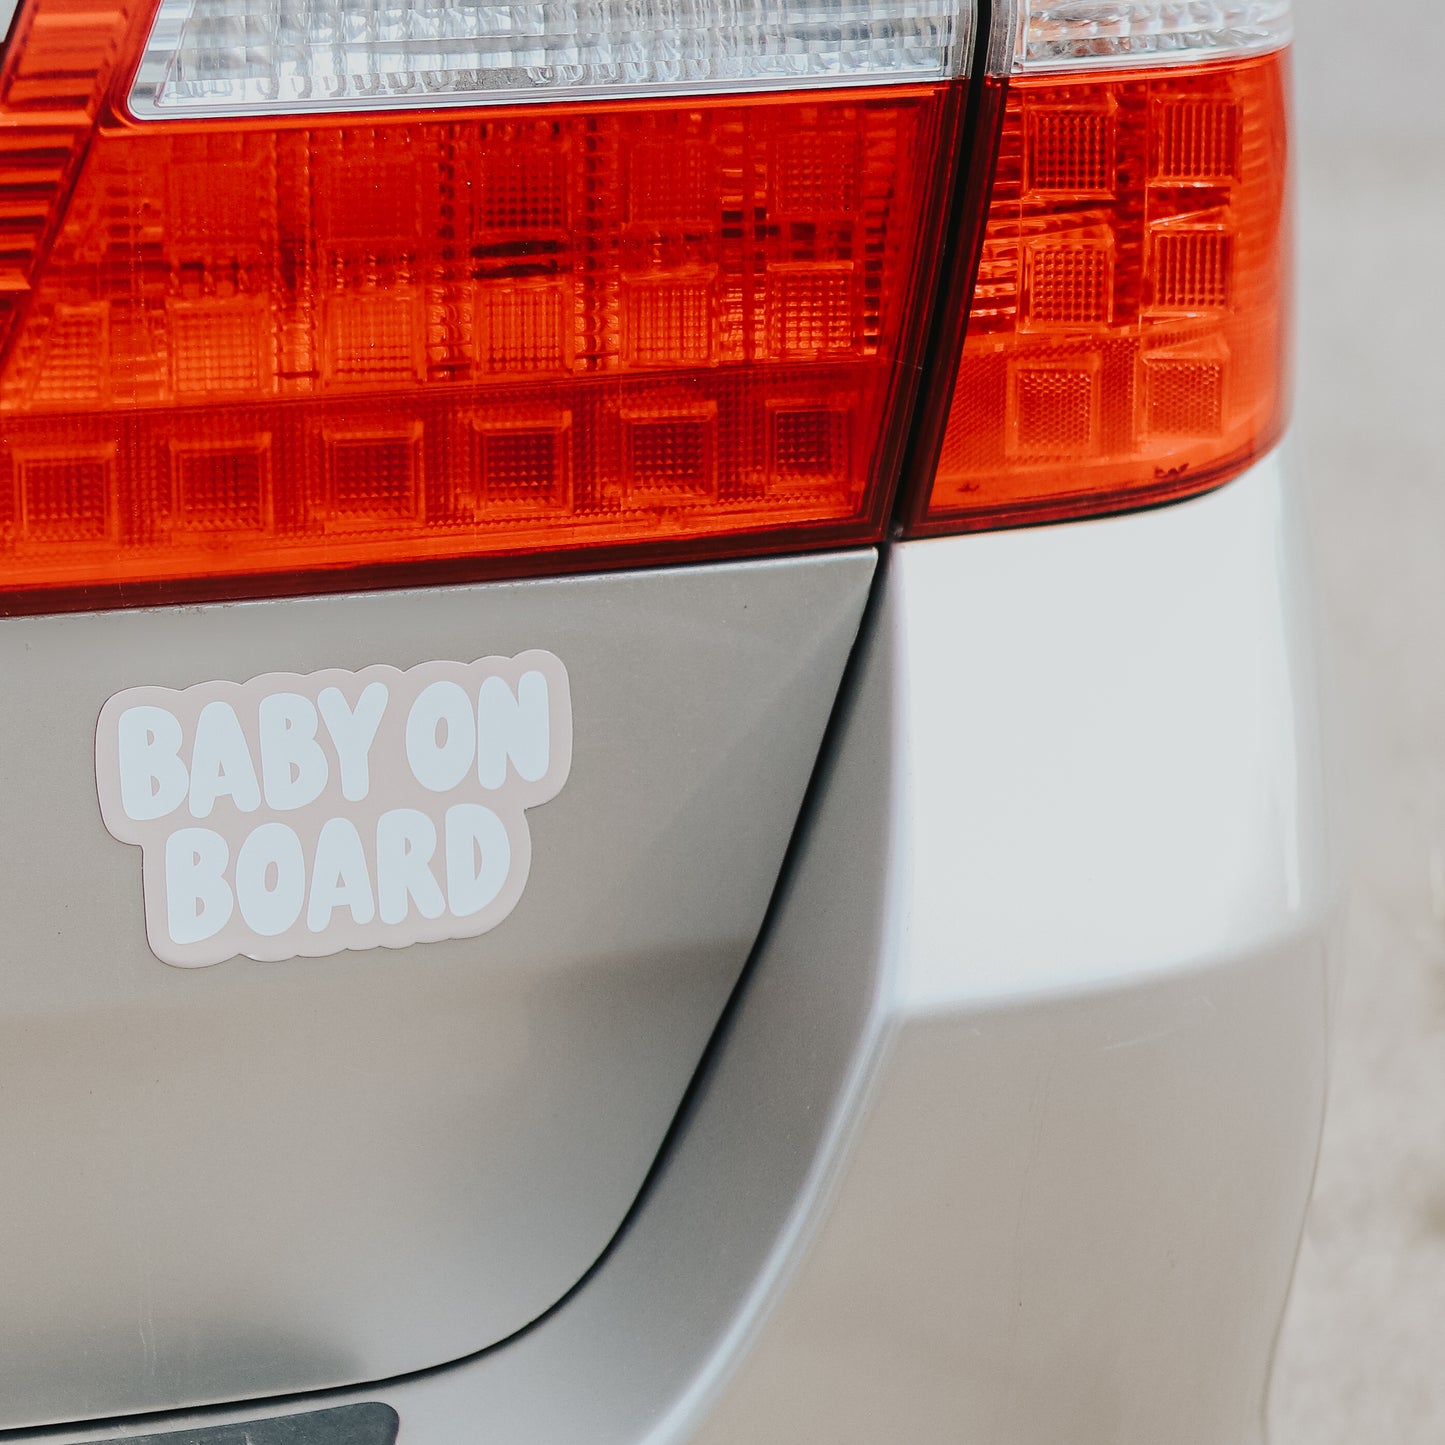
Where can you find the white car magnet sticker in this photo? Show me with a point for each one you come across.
(301, 815)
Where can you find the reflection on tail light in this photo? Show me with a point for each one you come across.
(243, 352)
(1127, 334)
(291, 299)
(1127, 339)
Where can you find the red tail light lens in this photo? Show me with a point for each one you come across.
(1127, 337)
(266, 339)
(494, 339)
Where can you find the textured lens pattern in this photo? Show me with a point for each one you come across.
(1070, 33)
(259, 350)
(225, 57)
(1126, 340)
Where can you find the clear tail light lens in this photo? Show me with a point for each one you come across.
(1063, 35)
(224, 58)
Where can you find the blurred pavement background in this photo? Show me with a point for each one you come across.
(1362, 1356)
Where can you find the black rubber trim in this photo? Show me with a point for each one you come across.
(962, 247)
(368, 1424)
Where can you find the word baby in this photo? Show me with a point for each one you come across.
(295, 815)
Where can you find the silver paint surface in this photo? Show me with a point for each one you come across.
(950, 1183)
(261, 1177)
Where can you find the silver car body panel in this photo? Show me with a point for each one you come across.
(1009, 1136)
(253, 1178)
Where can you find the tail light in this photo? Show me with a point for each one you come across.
(321, 294)
(339, 294)
(1126, 337)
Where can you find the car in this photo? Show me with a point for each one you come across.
(661, 736)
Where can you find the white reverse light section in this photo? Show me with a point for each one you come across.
(272, 57)
(1071, 34)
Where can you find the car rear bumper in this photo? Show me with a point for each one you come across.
(1009, 1134)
